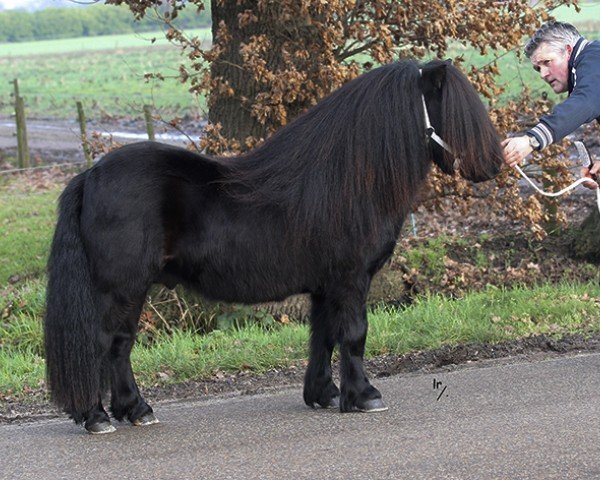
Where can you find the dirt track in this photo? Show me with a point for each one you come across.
(59, 141)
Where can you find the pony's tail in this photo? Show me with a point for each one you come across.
(71, 325)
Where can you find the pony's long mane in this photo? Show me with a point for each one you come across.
(356, 155)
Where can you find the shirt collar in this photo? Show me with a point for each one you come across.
(577, 49)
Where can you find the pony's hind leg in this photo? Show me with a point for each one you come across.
(97, 421)
(126, 400)
(319, 388)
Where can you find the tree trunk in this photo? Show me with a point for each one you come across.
(586, 239)
(236, 122)
(232, 102)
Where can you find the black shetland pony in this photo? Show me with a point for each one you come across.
(315, 209)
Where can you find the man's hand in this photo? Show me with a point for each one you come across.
(516, 149)
(588, 173)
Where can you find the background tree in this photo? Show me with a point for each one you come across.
(270, 60)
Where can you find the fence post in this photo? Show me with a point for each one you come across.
(15, 82)
(84, 140)
(149, 123)
(22, 146)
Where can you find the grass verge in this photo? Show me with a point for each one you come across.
(491, 316)
(179, 353)
(26, 224)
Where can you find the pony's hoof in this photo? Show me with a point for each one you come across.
(148, 419)
(372, 406)
(100, 428)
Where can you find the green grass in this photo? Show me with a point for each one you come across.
(26, 225)
(185, 355)
(430, 257)
(21, 338)
(492, 316)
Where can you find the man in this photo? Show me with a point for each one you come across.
(568, 63)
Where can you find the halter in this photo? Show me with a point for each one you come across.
(430, 130)
(432, 134)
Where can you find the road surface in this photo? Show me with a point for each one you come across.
(513, 419)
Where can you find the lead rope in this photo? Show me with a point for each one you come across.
(583, 155)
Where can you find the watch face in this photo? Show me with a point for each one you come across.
(533, 142)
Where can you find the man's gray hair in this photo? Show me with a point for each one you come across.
(556, 34)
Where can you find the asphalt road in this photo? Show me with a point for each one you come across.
(514, 419)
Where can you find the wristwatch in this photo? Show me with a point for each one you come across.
(533, 142)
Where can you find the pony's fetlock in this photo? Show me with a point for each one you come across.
(141, 414)
(97, 422)
(324, 394)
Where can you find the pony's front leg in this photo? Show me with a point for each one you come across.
(319, 388)
(357, 392)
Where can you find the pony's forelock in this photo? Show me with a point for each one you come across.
(467, 128)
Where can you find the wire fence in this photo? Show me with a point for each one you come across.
(73, 134)
(44, 167)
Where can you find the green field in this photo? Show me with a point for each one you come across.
(88, 44)
(583, 20)
(107, 73)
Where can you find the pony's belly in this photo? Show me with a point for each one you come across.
(236, 285)
(245, 291)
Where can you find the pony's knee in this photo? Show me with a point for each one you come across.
(353, 332)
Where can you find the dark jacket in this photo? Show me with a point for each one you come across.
(582, 105)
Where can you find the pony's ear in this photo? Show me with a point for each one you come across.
(435, 75)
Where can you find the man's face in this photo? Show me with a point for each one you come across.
(553, 66)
